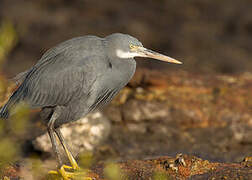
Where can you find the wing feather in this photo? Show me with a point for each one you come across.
(59, 82)
(63, 73)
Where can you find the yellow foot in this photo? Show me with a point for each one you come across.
(69, 173)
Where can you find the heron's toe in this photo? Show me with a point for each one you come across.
(69, 173)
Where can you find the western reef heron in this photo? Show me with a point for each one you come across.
(76, 77)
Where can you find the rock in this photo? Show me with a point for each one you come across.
(144, 110)
(241, 132)
(84, 134)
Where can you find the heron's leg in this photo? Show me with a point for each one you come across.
(66, 148)
(50, 130)
(62, 169)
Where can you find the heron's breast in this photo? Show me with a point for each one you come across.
(109, 84)
(121, 73)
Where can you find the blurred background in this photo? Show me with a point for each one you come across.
(202, 107)
(209, 36)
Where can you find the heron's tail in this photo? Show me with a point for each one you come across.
(4, 112)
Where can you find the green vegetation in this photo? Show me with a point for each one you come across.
(18, 121)
(8, 39)
(160, 176)
(9, 149)
(86, 159)
(113, 172)
(9, 131)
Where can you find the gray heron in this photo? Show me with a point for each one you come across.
(76, 77)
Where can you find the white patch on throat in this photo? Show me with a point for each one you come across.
(125, 55)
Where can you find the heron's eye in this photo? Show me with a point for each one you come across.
(133, 47)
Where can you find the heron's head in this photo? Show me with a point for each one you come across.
(125, 46)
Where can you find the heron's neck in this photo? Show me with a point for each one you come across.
(123, 62)
(125, 68)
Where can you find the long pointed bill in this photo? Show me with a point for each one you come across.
(143, 52)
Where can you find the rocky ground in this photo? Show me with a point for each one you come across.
(160, 115)
(158, 168)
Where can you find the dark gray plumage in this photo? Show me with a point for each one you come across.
(78, 76)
